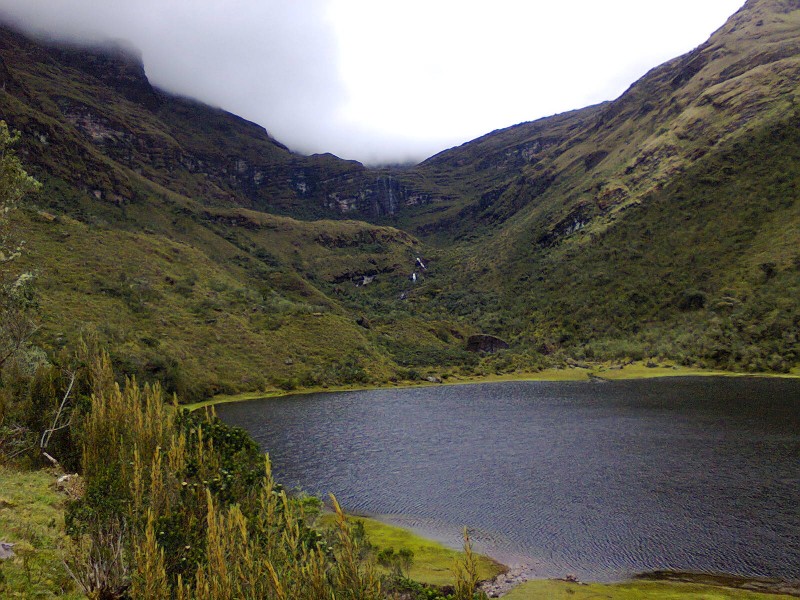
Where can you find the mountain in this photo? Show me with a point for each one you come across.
(661, 225)
(152, 230)
(605, 157)
(97, 105)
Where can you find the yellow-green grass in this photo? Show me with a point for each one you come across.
(640, 370)
(159, 299)
(637, 370)
(433, 562)
(646, 590)
(32, 518)
(277, 393)
(549, 375)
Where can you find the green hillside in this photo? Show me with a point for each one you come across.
(141, 234)
(562, 172)
(185, 246)
(704, 271)
(661, 226)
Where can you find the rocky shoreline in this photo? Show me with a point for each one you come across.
(503, 583)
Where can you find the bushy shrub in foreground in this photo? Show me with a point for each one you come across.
(183, 506)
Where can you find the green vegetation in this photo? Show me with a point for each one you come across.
(431, 563)
(168, 504)
(555, 590)
(16, 297)
(177, 504)
(740, 318)
(32, 518)
(205, 256)
(658, 234)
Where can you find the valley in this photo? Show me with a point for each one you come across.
(177, 256)
(661, 225)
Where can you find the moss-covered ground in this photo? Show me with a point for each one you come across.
(32, 518)
(433, 562)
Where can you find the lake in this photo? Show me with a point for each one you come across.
(599, 479)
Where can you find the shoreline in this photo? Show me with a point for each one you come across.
(520, 571)
(515, 575)
(512, 579)
(521, 574)
(600, 372)
(754, 584)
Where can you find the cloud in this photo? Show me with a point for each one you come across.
(385, 81)
(455, 69)
(270, 61)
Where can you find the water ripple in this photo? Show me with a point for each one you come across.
(602, 481)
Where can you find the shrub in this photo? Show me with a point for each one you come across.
(195, 510)
(692, 300)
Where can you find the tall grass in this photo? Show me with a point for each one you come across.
(466, 574)
(172, 488)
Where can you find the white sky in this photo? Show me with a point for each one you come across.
(382, 81)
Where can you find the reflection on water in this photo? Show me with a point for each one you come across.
(597, 479)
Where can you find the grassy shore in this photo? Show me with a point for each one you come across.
(32, 518)
(603, 371)
(633, 590)
(32, 510)
(433, 562)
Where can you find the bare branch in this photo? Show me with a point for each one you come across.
(47, 434)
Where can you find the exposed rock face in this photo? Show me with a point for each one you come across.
(356, 191)
(117, 64)
(6, 550)
(486, 343)
(100, 105)
(576, 220)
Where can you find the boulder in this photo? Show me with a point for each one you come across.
(6, 550)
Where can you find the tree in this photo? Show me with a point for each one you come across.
(16, 292)
(15, 183)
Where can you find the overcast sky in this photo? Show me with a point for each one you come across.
(383, 80)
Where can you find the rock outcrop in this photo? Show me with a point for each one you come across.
(102, 108)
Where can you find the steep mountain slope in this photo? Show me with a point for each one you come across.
(668, 215)
(466, 185)
(150, 230)
(589, 164)
(96, 104)
(663, 224)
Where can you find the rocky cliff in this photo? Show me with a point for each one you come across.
(97, 104)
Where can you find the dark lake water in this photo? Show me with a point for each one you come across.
(597, 479)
